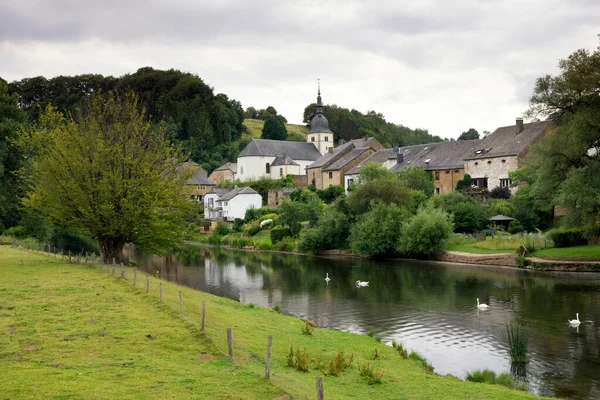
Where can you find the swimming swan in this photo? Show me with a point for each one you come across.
(327, 277)
(482, 306)
(359, 283)
(575, 321)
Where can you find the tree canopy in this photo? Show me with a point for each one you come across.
(274, 129)
(469, 135)
(106, 171)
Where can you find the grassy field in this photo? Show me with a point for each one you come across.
(255, 127)
(576, 253)
(74, 331)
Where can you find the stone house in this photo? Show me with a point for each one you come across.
(226, 172)
(502, 152)
(198, 183)
(276, 196)
(386, 157)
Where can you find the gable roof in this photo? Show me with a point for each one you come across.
(345, 159)
(232, 193)
(337, 152)
(228, 166)
(379, 157)
(198, 179)
(283, 160)
(433, 156)
(295, 150)
(219, 191)
(505, 141)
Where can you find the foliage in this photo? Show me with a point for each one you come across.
(379, 230)
(339, 363)
(76, 242)
(416, 178)
(515, 227)
(528, 217)
(471, 134)
(518, 338)
(465, 182)
(298, 359)
(18, 232)
(295, 212)
(386, 191)
(330, 194)
(490, 377)
(468, 217)
(369, 371)
(278, 234)
(262, 185)
(307, 328)
(238, 225)
(12, 120)
(569, 237)
(500, 193)
(500, 207)
(222, 228)
(372, 171)
(427, 366)
(331, 232)
(108, 173)
(426, 233)
(274, 129)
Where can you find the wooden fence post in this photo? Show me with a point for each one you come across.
(203, 313)
(134, 275)
(230, 343)
(147, 282)
(122, 271)
(180, 303)
(268, 366)
(69, 255)
(161, 298)
(319, 388)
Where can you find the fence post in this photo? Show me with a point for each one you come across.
(69, 255)
(268, 366)
(319, 388)
(147, 282)
(134, 275)
(122, 271)
(161, 298)
(180, 303)
(203, 313)
(230, 343)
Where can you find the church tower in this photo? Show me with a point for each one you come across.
(319, 133)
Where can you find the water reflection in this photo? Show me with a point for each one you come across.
(430, 307)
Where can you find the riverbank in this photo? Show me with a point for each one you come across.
(65, 323)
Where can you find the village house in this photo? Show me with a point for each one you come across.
(386, 157)
(502, 152)
(229, 204)
(226, 172)
(198, 183)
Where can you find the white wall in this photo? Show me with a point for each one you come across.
(347, 179)
(207, 213)
(492, 168)
(252, 167)
(323, 141)
(237, 206)
(287, 170)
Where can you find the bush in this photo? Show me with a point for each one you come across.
(238, 225)
(468, 217)
(368, 371)
(515, 226)
(339, 363)
(278, 234)
(330, 194)
(16, 231)
(76, 242)
(222, 228)
(387, 191)
(308, 328)
(215, 239)
(253, 229)
(427, 233)
(378, 232)
(331, 232)
(500, 193)
(569, 237)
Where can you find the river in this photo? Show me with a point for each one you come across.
(430, 307)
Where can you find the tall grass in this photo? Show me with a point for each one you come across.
(518, 338)
(489, 376)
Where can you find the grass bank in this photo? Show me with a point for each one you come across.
(72, 331)
(576, 253)
(255, 127)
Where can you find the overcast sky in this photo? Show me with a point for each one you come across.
(442, 65)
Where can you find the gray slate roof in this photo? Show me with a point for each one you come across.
(283, 160)
(232, 193)
(220, 191)
(345, 159)
(295, 150)
(199, 176)
(434, 156)
(228, 166)
(198, 179)
(500, 217)
(505, 141)
(328, 158)
(378, 157)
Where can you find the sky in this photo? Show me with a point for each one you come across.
(441, 65)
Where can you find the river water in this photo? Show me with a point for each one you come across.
(430, 307)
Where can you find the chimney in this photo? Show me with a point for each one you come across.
(400, 158)
(519, 125)
(395, 147)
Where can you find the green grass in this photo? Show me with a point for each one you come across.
(499, 244)
(475, 248)
(576, 253)
(72, 331)
(255, 127)
(490, 377)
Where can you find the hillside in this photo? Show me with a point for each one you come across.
(255, 127)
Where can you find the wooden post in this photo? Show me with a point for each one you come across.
(268, 366)
(230, 343)
(134, 275)
(69, 255)
(180, 303)
(147, 282)
(203, 314)
(161, 298)
(319, 388)
(122, 271)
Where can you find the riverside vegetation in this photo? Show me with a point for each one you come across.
(66, 323)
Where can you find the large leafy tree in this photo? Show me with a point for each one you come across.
(12, 119)
(274, 129)
(387, 191)
(565, 166)
(105, 171)
(469, 134)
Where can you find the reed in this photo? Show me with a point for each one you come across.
(518, 339)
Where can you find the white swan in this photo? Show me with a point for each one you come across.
(481, 306)
(359, 283)
(576, 321)
(327, 279)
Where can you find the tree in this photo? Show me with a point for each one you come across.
(378, 232)
(465, 182)
(250, 113)
(371, 171)
(274, 129)
(500, 193)
(331, 232)
(12, 119)
(387, 191)
(468, 215)
(417, 178)
(564, 167)
(108, 173)
(426, 233)
(469, 135)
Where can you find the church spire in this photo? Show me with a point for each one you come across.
(319, 103)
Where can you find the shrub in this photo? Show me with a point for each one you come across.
(378, 232)
(263, 244)
(16, 231)
(427, 233)
(279, 233)
(468, 217)
(301, 360)
(222, 228)
(500, 193)
(368, 371)
(500, 207)
(238, 225)
(387, 191)
(371, 332)
(416, 178)
(276, 308)
(402, 350)
(331, 232)
(569, 237)
(465, 182)
(286, 244)
(330, 194)
(308, 328)
(253, 229)
(215, 239)
(515, 227)
(339, 363)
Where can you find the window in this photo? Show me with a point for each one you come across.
(489, 161)
(326, 138)
(503, 161)
(312, 139)
(267, 168)
(456, 171)
(437, 175)
(280, 171)
(350, 181)
(211, 202)
(476, 163)
(437, 190)
(330, 175)
(226, 203)
(447, 172)
(505, 183)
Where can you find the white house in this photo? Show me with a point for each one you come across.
(230, 204)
